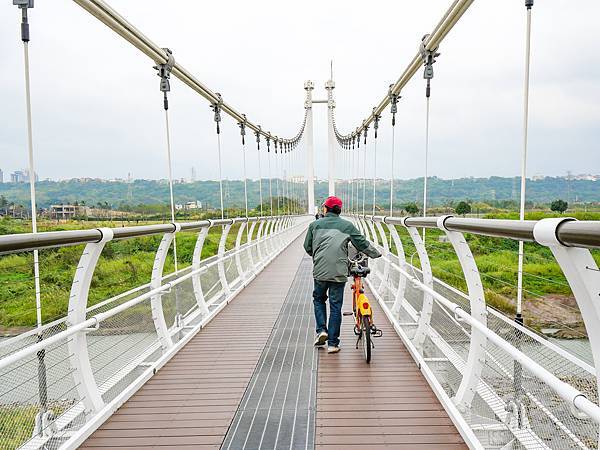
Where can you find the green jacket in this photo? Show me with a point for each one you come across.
(327, 242)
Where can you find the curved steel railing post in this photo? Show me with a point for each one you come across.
(427, 306)
(401, 289)
(250, 247)
(366, 229)
(581, 271)
(259, 234)
(359, 225)
(238, 255)
(265, 237)
(386, 252)
(158, 316)
(477, 344)
(77, 346)
(371, 224)
(196, 281)
(221, 265)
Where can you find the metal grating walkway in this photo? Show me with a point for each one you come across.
(277, 411)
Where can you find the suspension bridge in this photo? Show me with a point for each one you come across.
(218, 353)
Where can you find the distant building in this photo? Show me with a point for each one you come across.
(21, 176)
(189, 205)
(586, 177)
(1, 176)
(67, 211)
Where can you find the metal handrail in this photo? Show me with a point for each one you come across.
(11, 243)
(571, 232)
(102, 316)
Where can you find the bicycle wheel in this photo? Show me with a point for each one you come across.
(366, 338)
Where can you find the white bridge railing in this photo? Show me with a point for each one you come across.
(60, 381)
(504, 385)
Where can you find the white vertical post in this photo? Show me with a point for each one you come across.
(399, 297)
(221, 256)
(330, 85)
(196, 282)
(158, 316)
(581, 271)
(77, 346)
(477, 345)
(251, 247)
(427, 305)
(528, 4)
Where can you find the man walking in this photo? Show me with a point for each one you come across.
(327, 242)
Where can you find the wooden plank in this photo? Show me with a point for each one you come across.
(192, 400)
(383, 405)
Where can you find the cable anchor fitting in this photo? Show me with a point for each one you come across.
(376, 118)
(242, 126)
(216, 107)
(528, 3)
(257, 133)
(428, 57)
(164, 72)
(269, 142)
(24, 5)
(394, 104)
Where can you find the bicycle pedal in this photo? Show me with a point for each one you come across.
(347, 313)
(377, 333)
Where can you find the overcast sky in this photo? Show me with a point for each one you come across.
(98, 112)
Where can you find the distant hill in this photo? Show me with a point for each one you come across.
(441, 191)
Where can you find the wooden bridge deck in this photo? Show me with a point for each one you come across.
(193, 400)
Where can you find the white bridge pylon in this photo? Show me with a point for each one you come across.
(309, 136)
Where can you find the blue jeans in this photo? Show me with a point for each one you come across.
(336, 300)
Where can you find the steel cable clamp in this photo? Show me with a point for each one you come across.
(242, 126)
(164, 72)
(394, 104)
(428, 57)
(216, 107)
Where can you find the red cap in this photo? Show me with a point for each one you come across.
(332, 201)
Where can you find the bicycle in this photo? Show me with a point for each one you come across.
(364, 326)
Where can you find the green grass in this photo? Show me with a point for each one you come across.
(123, 266)
(17, 422)
(497, 261)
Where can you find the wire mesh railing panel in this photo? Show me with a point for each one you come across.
(511, 406)
(35, 390)
(119, 345)
(45, 394)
